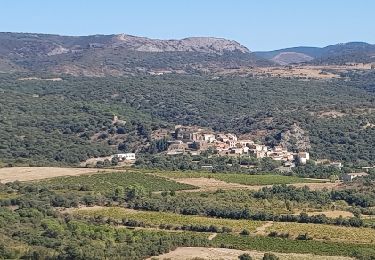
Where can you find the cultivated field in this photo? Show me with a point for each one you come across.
(108, 182)
(212, 184)
(209, 185)
(154, 219)
(326, 232)
(317, 231)
(333, 213)
(245, 179)
(38, 173)
(316, 247)
(208, 182)
(191, 253)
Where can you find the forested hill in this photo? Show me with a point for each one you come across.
(70, 120)
(115, 55)
(337, 54)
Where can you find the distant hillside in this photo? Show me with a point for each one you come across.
(332, 54)
(100, 55)
(121, 54)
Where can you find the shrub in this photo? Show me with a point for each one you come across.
(304, 237)
(245, 232)
(245, 257)
(270, 256)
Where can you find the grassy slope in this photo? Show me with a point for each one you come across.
(108, 182)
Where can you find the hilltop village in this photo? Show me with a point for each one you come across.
(194, 140)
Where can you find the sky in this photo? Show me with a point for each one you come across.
(258, 24)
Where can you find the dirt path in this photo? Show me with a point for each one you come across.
(262, 229)
(38, 173)
(212, 236)
(190, 253)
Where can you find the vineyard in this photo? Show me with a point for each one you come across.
(326, 232)
(245, 179)
(260, 243)
(315, 231)
(155, 219)
(264, 220)
(108, 182)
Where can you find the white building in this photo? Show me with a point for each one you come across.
(351, 176)
(303, 157)
(245, 142)
(232, 143)
(126, 156)
(209, 138)
(336, 164)
(232, 137)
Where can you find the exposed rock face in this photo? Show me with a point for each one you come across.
(121, 54)
(58, 50)
(193, 44)
(295, 139)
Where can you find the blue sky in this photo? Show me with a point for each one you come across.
(258, 24)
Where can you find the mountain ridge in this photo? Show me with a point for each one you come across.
(331, 54)
(120, 54)
(123, 54)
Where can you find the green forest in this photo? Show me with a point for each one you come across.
(58, 122)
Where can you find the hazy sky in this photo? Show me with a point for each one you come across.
(258, 24)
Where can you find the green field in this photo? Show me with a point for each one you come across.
(246, 179)
(107, 182)
(343, 241)
(316, 231)
(292, 246)
(326, 232)
(154, 219)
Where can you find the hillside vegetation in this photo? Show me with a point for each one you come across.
(68, 121)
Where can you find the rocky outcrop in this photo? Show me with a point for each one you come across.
(192, 44)
(120, 54)
(295, 139)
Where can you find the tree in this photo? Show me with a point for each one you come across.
(245, 232)
(114, 161)
(133, 192)
(270, 256)
(195, 145)
(119, 193)
(245, 257)
(333, 178)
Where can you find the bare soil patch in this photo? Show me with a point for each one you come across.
(331, 114)
(262, 229)
(332, 213)
(210, 185)
(36, 78)
(212, 236)
(206, 184)
(38, 173)
(93, 161)
(318, 186)
(189, 253)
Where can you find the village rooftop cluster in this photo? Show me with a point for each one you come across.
(193, 140)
